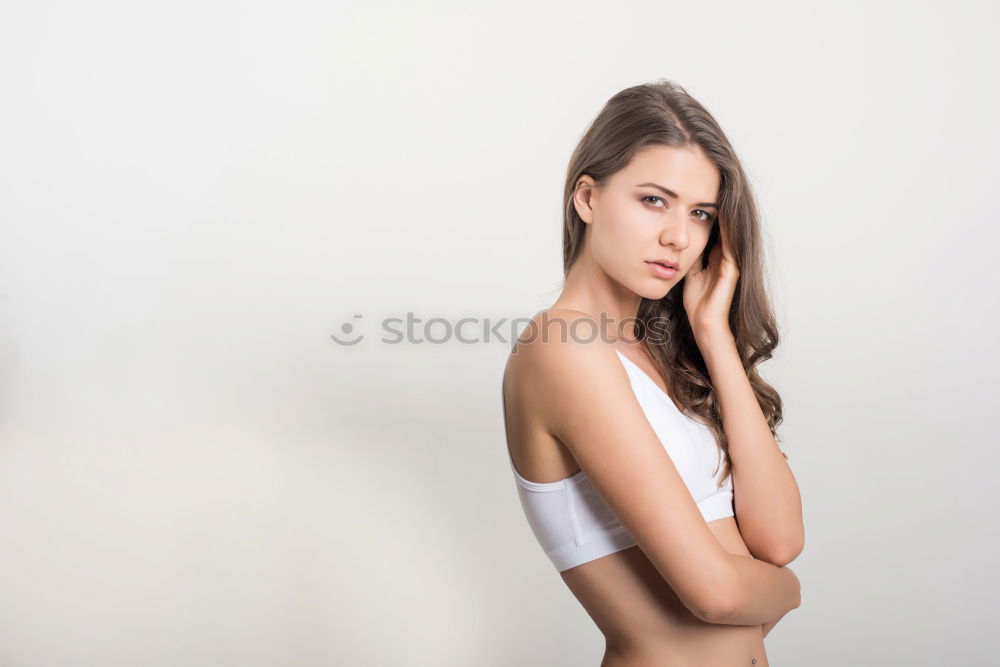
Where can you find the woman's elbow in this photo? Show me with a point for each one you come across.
(718, 610)
(780, 549)
(784, 553)
(719, 602)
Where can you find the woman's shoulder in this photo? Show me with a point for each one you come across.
(558, 349)
(557, 367)
(556, 333)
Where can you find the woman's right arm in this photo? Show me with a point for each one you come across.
(588, 404)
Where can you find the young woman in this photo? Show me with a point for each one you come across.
(641, 438)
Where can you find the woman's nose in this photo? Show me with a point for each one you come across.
(675, 231)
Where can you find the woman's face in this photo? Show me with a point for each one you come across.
(662, 206)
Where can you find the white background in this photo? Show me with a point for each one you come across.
(194, 196)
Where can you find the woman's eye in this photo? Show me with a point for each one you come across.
(708, 217)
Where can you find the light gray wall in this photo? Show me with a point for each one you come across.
(194, 196)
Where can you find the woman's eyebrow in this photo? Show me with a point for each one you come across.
(674, 195)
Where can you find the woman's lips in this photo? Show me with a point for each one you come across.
(661, 271)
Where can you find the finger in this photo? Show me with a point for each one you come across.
(696, 270)
(727, 251)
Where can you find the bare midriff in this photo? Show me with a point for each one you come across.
(645, 624)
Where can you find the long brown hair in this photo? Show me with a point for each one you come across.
(663, 113)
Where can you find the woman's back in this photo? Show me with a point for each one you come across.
(638, 612)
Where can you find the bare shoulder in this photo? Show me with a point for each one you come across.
(560, 347)
(557, 347)
(553, 334)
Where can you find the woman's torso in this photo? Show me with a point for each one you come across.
(640, 616)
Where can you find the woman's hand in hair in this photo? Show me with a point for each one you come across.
(708, 292)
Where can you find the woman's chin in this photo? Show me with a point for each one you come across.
(654, 292)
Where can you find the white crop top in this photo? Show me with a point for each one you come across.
(571, 521)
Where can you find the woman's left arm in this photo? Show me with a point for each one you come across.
(766, 498)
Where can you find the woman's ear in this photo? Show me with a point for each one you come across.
(583, 195)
